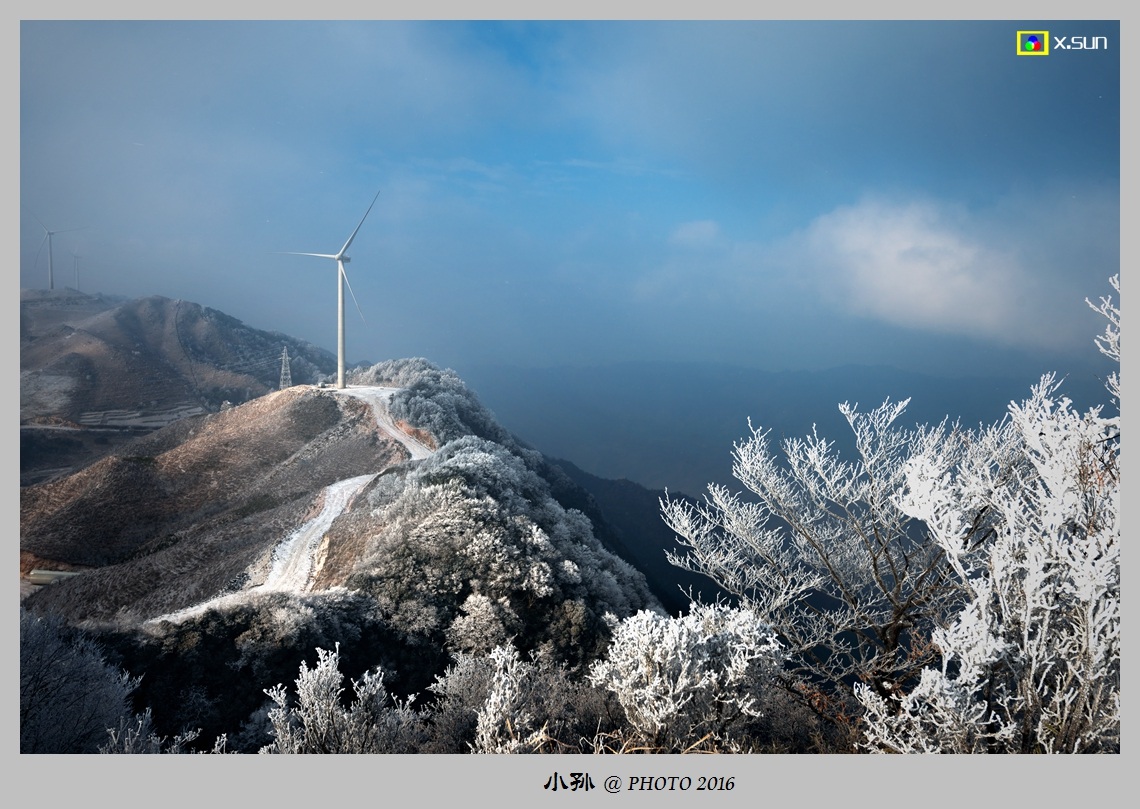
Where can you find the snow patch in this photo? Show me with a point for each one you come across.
(292, 566)
(378, 396)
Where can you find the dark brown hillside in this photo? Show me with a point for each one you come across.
(93, 371)
(172, 516)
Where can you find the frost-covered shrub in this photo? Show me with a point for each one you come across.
(69, 696)
(503, 724)
(458, 693)
(319, 722)
(136, 735)
(691, 682)
(823, 553)
(495, 703)
(502, 703)
(1032, 662)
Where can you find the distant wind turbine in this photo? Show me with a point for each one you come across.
(47, 238)
(342, 279)
(75, 255)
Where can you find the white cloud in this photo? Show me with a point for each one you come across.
(913, 265)
(1013, 274)
(934, 267)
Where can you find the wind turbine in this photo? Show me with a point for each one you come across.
(342, 279)
(47, 238)
(75, 255)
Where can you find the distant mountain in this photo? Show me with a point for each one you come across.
(105, 368)
(673, 425)
(633, 514)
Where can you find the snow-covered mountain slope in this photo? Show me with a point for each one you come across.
(184, 513)
(314, 490)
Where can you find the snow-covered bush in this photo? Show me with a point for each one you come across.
(691, 682)
(1032, 662)
(320, 723)
(503, 723)
(959, 587)
(820, 551)
(137, 736)
(488, 694)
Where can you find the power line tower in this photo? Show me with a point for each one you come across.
(286, 376)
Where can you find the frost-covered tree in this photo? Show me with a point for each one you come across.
(690, 682)
(820, 550)
(69, 695)
(481, 625)
(471, 549)
(319, 722)
(1109, 342)
(1032, 662)
(903, 561)
(503, 723)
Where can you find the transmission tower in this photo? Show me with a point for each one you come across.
(286, 376)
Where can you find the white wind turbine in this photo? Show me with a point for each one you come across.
(47, 238)
(342, 279)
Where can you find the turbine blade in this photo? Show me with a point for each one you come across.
(291, 253)
(353, 236)
(344, 275)
(36, 263)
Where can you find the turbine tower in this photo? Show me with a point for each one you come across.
(47, 238)
(342, 279)
(75, 255)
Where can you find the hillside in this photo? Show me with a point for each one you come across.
(633, 514)
(395, 516)
(96, 371)
(175, 515)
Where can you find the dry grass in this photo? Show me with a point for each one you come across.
(182, 512)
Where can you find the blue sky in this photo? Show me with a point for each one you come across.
(775, 194)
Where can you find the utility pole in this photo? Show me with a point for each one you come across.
(286, 375)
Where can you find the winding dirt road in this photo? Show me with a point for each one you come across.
(378, 397)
